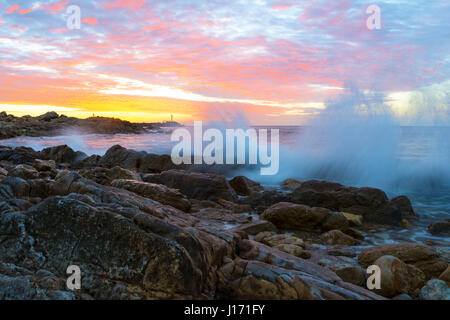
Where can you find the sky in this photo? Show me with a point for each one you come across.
(270, 61)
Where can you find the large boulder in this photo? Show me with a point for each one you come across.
(118, 258)
(139, 161)
(440, 228)
(296, 216)
(156, 192)
(244, 186)
(398, 277)
(105, 175)
(421, 256)
(371, 203)
(61, 154)
(196, 185)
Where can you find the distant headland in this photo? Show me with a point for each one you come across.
(53, 124)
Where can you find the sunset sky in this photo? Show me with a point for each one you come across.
(274, 61)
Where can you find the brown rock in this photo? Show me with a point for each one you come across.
(155, 192)
(201, 186)
(256, 227)
(44, 165)
(294, 250)
(291, 184)
(371, 203)
(398, 277)
(336, 237)
(23, 171)
(244, 186)
(421, 256)
(295, 216)
(441, 228)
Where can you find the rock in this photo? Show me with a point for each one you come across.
(274, 240)
(294, 250)
(24, 171)
(48, 116)
(61, 173)
(19, 155)
(352, 274)
(244, 186)
(354, 219)
(347, 269)
(61, 154)
(236, 208)
(342, 251)
(155, 192)
(354, 233)
(138, 161)
(371, 203)
(435, 290)
(291, 184)
(421, 256)
(334, 220)
(441, 228)
(256, 227)
(105, 176)
(267, 273)
(300, 217)
(445, 276)
(201, 186)
(44, 165)
(3, 172)
(398, 277)
(261, 200)
(336, 237)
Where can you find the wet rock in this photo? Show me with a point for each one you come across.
(345, 268)
(105, 176)
(263, 266)
(44, 165)
(19, 155)
(294, 250)
(343, 251)
(291, 184)
(274, 240)
(421, 256)
(398, 277)
(260, 201)
(296, 216)
(244, 186)
(353, 219)
(23, 171)
(371, 203)
(139, 161)
(336, 237)
(61, 154)
(435, 290)
(441, 228)
(196, 185)
(155, 192)
(253, 228)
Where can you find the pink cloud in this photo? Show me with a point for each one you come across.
(90, 21)
(12, 9)
(55, 7)
(131, 5)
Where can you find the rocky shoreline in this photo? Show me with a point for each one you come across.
(52, 124)
(140, 227)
